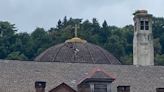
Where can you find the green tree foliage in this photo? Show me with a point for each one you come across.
(159, 59)
(16, 56)
(41, 41)
(7, 38)
(25, 46)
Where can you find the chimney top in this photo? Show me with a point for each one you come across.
(40, 84)
(141, 12)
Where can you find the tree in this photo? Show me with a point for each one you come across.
(7, 38)
(105, 32)
(159, 59)
(41, 39)
(95, 25)
(16, 56)
(59, 26)
(158, 26)
(26, 46)
(7, 29)
(104, 25)
(65, 21)
(157, 46)
(115, 46)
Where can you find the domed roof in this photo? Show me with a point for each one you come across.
(77, 50)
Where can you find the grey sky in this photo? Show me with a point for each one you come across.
(29, 14)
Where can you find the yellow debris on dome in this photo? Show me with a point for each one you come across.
(75, 40)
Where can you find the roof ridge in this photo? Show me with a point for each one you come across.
(54, 58)
(90, 53)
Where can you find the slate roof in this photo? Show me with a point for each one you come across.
(76, 52)
(20, 76)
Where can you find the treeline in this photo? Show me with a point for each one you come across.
(118, 41)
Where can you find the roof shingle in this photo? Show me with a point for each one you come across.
(19, 76)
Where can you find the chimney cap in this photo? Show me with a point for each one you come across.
(40, 84)
(140, 12)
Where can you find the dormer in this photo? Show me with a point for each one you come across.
(97, 81)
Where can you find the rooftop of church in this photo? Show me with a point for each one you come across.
(77, 50)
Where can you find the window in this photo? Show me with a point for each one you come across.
(100, 87)
(144, 25)
(160, 90)
(123, 89)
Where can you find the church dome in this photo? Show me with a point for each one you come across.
(77, 50)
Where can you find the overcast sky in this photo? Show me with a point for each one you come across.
(29, 14)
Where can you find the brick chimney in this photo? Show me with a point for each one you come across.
(40, 86)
